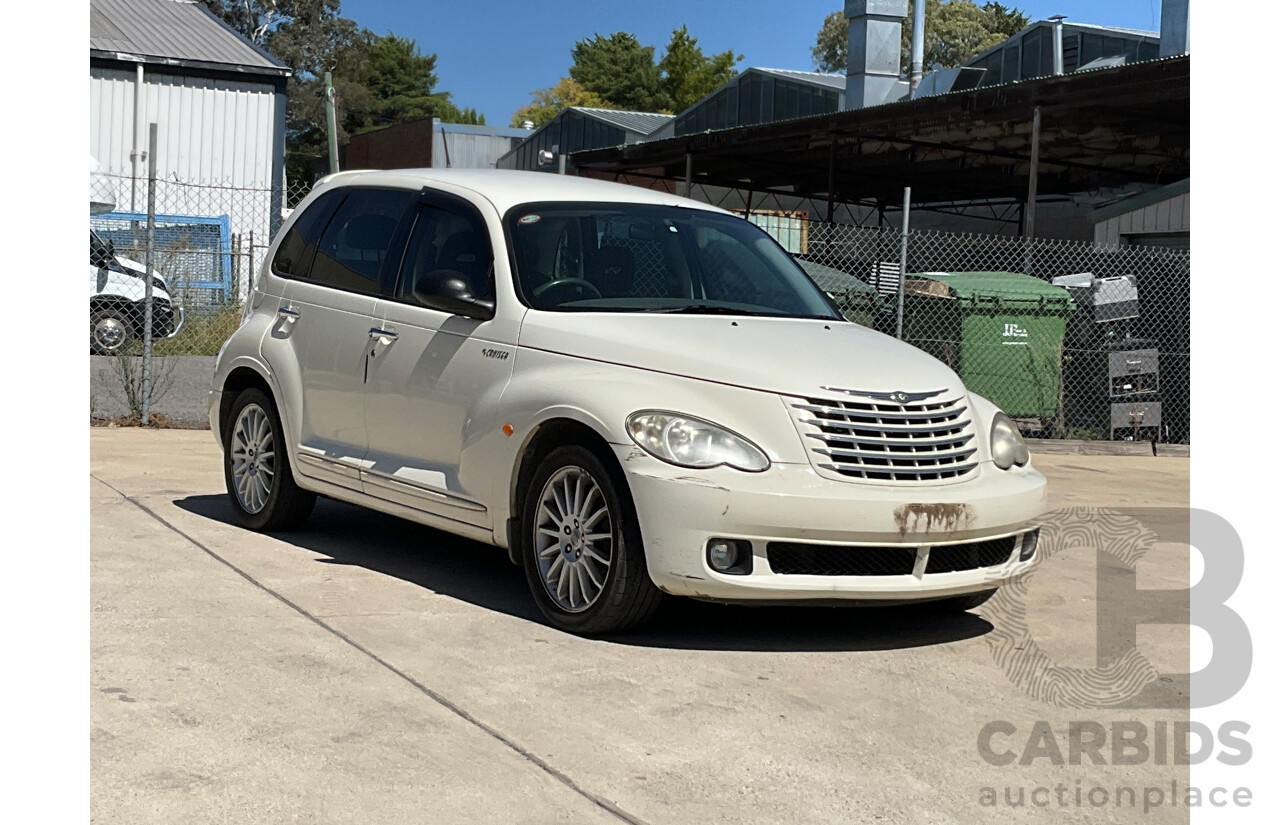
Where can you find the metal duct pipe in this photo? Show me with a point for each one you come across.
(1175, 27)
(875, 52)
(1057, 43)
(917, 44)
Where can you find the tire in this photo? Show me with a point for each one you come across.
(265, 496)
(605, 598)
(111, 331)
(959, 604)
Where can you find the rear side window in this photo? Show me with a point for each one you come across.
(358, 239)
(293, 258)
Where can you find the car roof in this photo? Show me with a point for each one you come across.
(506, 188)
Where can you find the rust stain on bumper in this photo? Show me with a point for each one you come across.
(930, 518)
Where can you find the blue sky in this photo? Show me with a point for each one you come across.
(493, 53)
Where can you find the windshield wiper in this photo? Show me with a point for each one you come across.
(703, 309)
(710, 309)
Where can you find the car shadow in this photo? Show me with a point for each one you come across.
(481, 575)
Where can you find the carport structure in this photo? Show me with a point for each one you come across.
(1073, 133)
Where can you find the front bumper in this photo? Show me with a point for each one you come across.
(680, 510)
(177, 317)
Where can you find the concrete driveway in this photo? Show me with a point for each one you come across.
(371, 670)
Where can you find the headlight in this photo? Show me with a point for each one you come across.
(691, 442)
(1007, 446)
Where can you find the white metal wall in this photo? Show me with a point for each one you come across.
(215, 147)
(210, 132)
(467, 151)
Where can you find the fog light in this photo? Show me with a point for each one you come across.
(722, 554)
(729, 556)
(1029, 541)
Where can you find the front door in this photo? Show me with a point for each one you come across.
(435, 378)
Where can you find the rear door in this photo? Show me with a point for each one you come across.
(435, 378)
(326, 313)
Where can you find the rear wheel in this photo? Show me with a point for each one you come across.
(583, 554)
(259, 479)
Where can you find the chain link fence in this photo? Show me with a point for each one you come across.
(209, 242)
(1071, 339)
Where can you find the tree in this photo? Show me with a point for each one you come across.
(400, 82)
(688, 75)
(954, 31)
(378, 81)
(252, 18)
(547, 103)
(618, 69)
(957, 30)
(831, 51)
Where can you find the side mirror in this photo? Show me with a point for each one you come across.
(104, 255)
(451, 291)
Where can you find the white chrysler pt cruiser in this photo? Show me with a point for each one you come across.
(634, 393)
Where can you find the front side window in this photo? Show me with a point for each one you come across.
(454, 241)
(357, 240)
(646, 258)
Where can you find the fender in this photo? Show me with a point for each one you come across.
(547, 386)
(250, 356)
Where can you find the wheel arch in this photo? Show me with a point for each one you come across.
(549, 434)
(238, 380)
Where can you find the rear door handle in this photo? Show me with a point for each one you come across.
(384, 336)
(288, 314)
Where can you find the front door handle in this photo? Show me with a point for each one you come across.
(288, 314)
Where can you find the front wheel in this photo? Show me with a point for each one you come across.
(110, 331)
(583, 554)
(259, 479)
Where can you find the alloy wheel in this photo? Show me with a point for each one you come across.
(574, 539)
(253, 458)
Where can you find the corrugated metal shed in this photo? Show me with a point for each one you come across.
(642, 122)
(176, 32)
(1160, 217)
(218, 102)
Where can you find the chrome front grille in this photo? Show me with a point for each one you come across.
(889, 436)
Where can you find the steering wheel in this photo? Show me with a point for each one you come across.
(560, 283)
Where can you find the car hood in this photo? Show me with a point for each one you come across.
(137, 270)
(790, 356)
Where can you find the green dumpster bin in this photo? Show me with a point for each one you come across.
(1002, 332)
(857, 301)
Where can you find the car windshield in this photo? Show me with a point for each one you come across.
(625, 257)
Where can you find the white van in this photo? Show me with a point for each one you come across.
(117, 301)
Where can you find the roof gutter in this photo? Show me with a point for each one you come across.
(236, 68)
